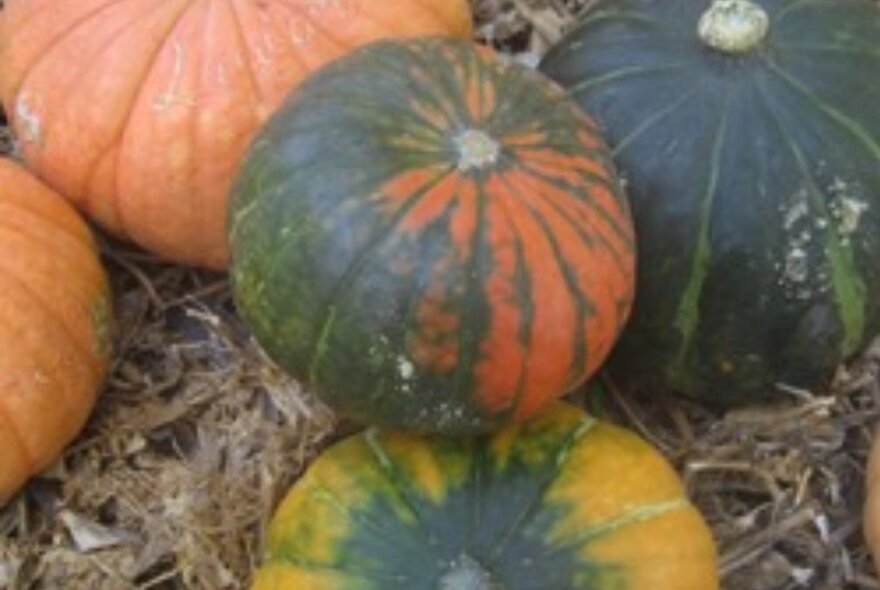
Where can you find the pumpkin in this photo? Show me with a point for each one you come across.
(140, 111)
(871, 515)
(55, 315)
(561, 502)
(432, 238)
(749, 135)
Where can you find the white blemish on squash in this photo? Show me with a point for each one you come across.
(801, 275)
(344, 7)
(31, 125)
(796, 265)
(799, 280)
(302, 32)
(405, 368)
(846, 211)
(795, 214)
(264, 50)
(851, 212)
(445, 414)
(173, 96)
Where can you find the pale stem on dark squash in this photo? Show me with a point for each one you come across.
(467, 574)
(734, 26)
(476, 150)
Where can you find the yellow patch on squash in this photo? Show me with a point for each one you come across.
(420, 466)
(291, 577)
(613, 505)
(610, 472)
(538, 441)
(333, 492)
(671, 550)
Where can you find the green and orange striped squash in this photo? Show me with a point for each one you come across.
(749, 134)
(561, 502)
(432, 238)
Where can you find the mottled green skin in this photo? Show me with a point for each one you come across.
(330, 281)
(741, 171)
(494, 519)
(499, 513)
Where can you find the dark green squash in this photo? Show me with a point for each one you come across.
(432, 238)
(562, 502)
(749, 135)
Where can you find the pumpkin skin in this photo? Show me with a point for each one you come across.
(871, 512)
(140, 111)
(562, 502)
(55, 315)
(432, 239)
(755, 184)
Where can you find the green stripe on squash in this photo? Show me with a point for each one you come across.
(432, 238)
(759, 246)
(561, 502)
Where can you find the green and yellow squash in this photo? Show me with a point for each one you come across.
(749, 134)
(432, 238)
(561, 502)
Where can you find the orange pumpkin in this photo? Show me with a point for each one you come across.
(139, 111)
(871, 517)
(54, 326)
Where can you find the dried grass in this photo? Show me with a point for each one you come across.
(197, 436)
(194, 439)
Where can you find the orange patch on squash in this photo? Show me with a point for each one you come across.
(430, 205)
(54, 352)
(502, 353)
(434, 344)
(553, 325)
(573, 170)
(93, 87)
(400, 189)
(530, 139)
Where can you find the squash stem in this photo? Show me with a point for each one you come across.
(476, 150)
(734, 26)
(467, 574)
